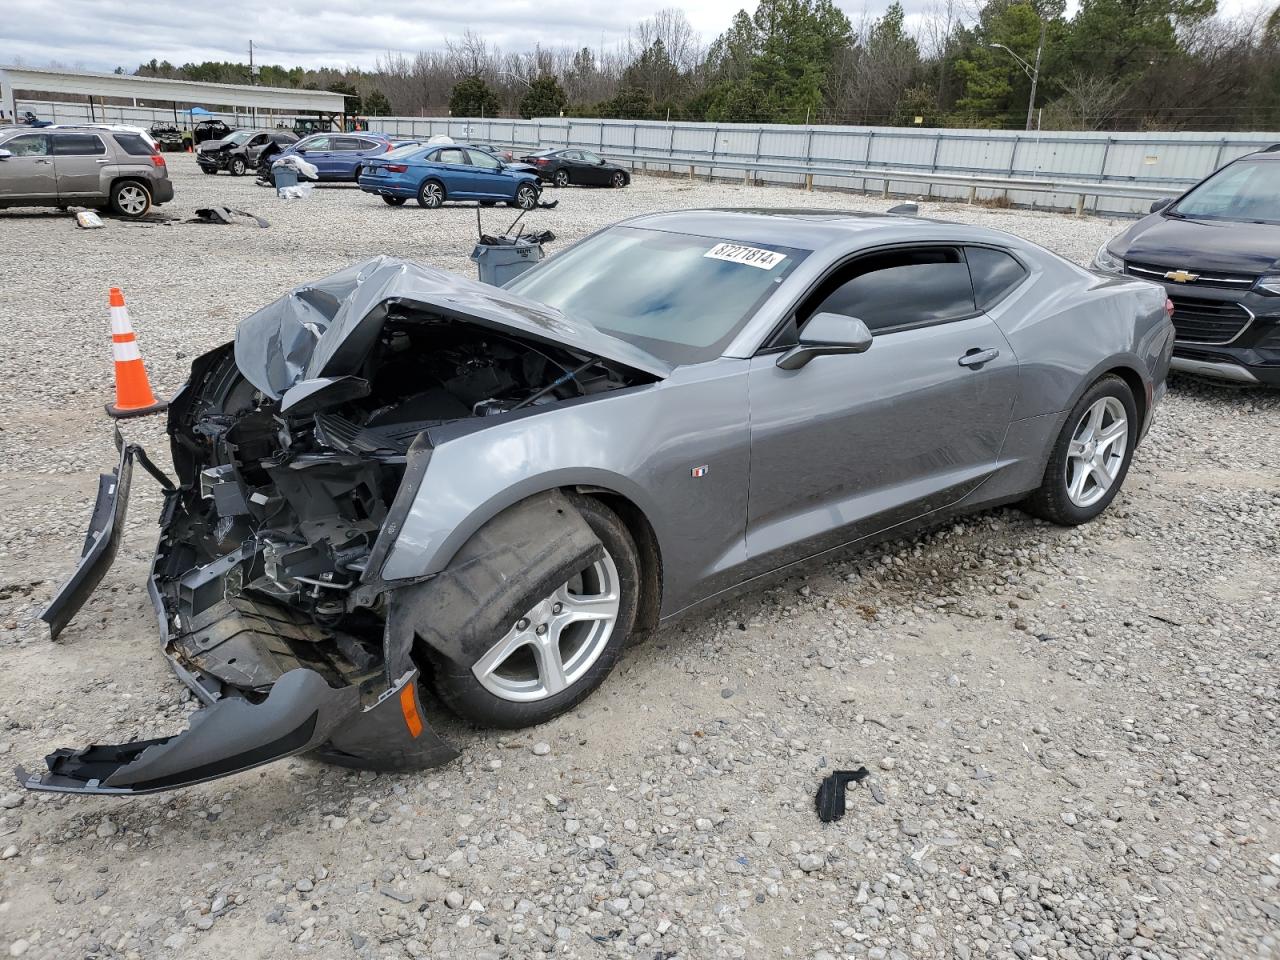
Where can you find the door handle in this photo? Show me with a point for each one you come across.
(977, 357)
(103, 161)
(43, 160)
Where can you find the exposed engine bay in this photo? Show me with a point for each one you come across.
(280, 510)
(300, 450)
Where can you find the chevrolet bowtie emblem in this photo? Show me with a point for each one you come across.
(1181, 276)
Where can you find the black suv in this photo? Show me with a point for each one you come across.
(1216, 250)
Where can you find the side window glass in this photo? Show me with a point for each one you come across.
(590, 157)
(30, 145)
(259, 140)
(77, 145)
(994, 274)
(898, 288)
(451, 156)
(315, 143)
(481, 159)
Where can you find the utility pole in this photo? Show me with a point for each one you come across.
(253, 79)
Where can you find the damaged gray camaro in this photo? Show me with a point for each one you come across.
(399, 483)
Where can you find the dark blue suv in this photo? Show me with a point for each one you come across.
(340, 156)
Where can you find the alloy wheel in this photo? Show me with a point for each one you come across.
(619, 179)
(526, 198)
(1096, 452)
(554, 644)
(132, 200)
(562, 178)
(432, 195)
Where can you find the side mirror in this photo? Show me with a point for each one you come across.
(5, 154)
(1160, 204)
(827, 333)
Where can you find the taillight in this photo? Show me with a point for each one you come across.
(390, 147)
(397, 167)
(157, 160)
(541, 161)
(1168, 307)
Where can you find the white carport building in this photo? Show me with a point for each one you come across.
(122, 98)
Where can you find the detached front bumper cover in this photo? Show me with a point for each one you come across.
(350, 725)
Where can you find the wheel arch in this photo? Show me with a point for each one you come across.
(421, 559)
(1127, 369)
(436, 179)
(649, 603)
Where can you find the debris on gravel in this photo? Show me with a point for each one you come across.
(1072, 733)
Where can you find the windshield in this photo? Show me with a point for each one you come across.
(681, 298)
(240, 136)
(1245, 190)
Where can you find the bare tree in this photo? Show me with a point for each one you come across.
(1088, 102)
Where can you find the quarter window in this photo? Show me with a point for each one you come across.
(77, 145)
(28, 145)
(897, 288)
(994, 274)
(133, 144)
(451, 156)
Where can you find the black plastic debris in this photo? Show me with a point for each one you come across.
(830, 799)
(226, 215)
(908, 209)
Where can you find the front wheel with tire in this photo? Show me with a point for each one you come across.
(237, 166)
(393, 201)
(527, 197)
(561, 178)
(431, 195)
(129, 198)
(557, 647)
(1091, 457)
(618, 180)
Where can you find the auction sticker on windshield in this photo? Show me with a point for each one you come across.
(751, 256)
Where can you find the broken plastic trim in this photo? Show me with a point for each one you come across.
(830, 799)
(102, 542)
(232, 735)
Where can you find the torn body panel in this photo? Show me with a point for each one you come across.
(267, 577)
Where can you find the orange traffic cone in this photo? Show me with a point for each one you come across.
(133, 392)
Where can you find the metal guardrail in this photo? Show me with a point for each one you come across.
(1082, 190)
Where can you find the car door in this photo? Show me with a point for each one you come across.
(316, 151)
(491, 182)
(253, 149)
(593, 171)
(28, 173)
(347, 154)
(78, 159)
(460, 178)
(854, 444)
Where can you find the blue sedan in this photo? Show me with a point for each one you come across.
(435, 173)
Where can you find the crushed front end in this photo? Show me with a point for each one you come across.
(298, 454)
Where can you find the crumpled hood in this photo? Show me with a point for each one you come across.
(327, 328)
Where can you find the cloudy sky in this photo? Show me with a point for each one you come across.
(105, 34)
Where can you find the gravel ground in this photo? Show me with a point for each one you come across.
(1072, 733)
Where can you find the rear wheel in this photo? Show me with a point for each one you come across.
(237, 166)
(431, 194)
(556, 650)
(1091, 457)
(129, 198)
(561, 178)
(393, 201)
